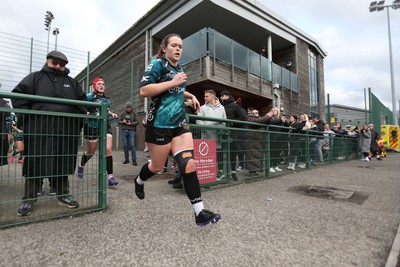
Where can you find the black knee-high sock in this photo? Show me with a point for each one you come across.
(192, 187)
(145, 172)
(84, 160)
(109, 165)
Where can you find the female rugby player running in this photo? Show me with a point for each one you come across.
(167, 130)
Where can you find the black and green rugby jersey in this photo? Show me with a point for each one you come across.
(166, 109)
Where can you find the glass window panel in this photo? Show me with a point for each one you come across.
(266, 68)
(240, 56)
(294, 82)
(285, 78)
(276, 73)
(211, 39)
(254, 63)
(222, 48)
(313, 81)
(203, 41)
(191, 48)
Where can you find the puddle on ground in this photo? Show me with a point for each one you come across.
(331, 193)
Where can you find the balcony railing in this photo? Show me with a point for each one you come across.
(208, 42)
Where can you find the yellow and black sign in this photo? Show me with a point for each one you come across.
(391, 136)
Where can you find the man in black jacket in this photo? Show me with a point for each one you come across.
(233, 112)
(51, 142)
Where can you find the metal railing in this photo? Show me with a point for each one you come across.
(45, 135)
(209, 42)
(260, 151)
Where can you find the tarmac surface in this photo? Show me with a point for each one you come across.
(297, 219)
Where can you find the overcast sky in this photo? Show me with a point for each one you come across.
(355, 39)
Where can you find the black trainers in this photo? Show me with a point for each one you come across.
(139, 190)
(68, 202)
(134, 163)
(125, 162)
(177, 186)
(174, 181)
(207, 217)
(234, 177)
(25, 209)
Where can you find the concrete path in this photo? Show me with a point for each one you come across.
(300, 225)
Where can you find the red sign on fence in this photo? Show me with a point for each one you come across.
(205, 155)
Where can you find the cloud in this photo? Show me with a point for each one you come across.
(355, 39)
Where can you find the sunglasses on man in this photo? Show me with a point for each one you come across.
(57, 62)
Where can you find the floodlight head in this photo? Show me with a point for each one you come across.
(56, 31)
(380, 5)
(396, 4)
(372, 6)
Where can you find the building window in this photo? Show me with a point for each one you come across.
(313, 83)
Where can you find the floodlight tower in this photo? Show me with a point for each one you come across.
(47, 22)
(379, 6)
(56, 31)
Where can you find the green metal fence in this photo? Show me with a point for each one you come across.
(361, 108)
(259, 151)
(41, 168)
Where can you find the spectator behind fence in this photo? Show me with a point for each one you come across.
(320, 139)
(233, 112)
(338, 144)
(295, 126)
(51, 143)
(241, 146)
(167, 130)
(273, 119)
(3, 133)
(128, 122)
(18, 146)
(313, 142)
(255, 145)
(375, 136)
(303, 141)
(365, 142)
(328, 133)
(348, 131)
(353, 143)
(212, 108)
(92, 131)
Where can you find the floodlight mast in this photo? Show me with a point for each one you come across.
(379, 6)
(47, 22)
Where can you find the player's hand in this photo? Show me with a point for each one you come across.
(179, 78)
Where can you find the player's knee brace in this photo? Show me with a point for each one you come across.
(185, 161)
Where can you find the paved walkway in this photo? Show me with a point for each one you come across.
(292, 228)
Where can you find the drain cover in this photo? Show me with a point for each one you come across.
(329, 192)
